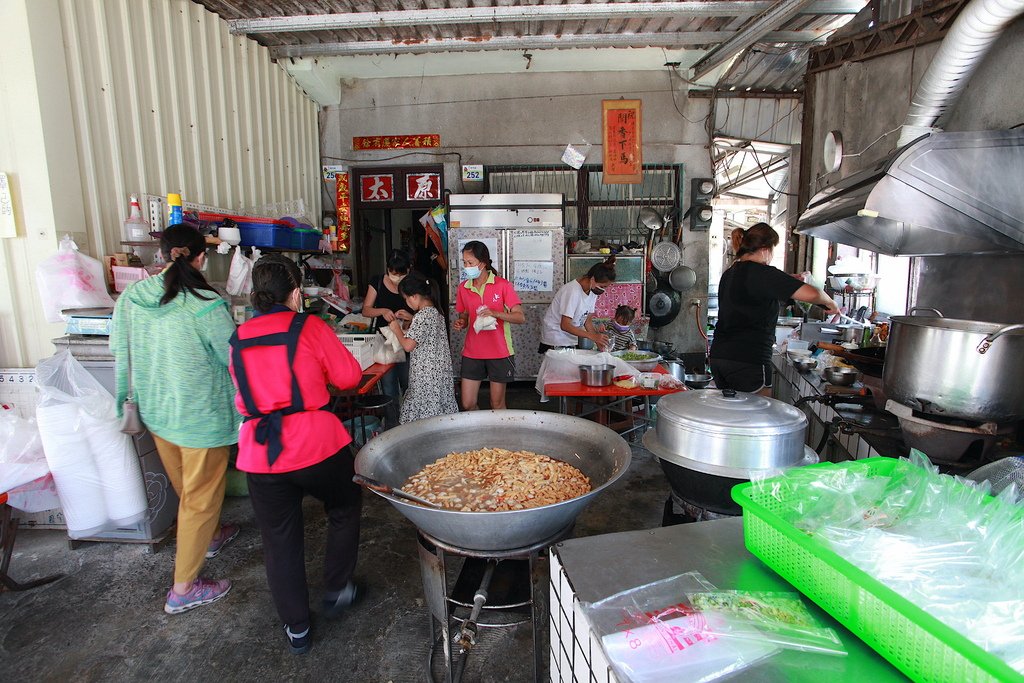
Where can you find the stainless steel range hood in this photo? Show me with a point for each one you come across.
(944, 193)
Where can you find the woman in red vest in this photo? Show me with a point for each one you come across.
(291, 445)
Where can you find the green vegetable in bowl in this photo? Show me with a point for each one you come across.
(635, 355)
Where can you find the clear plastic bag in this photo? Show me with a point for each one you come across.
(779, 618)
(95, 467)
(941, 542)
(70, 279)
(563, 365)
(651, 634)
(22, 459)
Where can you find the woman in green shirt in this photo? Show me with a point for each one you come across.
(173, 331)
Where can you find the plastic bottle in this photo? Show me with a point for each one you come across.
(174, 215)
(136, 229)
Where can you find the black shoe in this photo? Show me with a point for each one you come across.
(298, 644)
(337, 602)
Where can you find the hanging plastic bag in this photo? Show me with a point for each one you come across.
(70, 279)
(651, 634)
(240, 273)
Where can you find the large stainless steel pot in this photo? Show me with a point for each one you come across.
(597, 451)
(729, 434)
(957, 368)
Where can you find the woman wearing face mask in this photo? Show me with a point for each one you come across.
(571, 313)
(486, 305)
(384, 302)
(749, 296)
(292, 446)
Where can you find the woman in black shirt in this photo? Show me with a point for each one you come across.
(384, 303)
(748, 299)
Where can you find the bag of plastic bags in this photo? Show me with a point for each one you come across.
(70, 279)
(652, 634)
(95, 467)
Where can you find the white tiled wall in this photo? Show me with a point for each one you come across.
(791, 385)
(576, 654)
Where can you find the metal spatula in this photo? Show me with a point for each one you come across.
(381, 487)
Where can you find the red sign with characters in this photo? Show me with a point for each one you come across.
(423, 186)
(344, 206)
(396, 141)
(377, 188)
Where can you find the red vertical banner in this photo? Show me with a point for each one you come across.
(344, 207)
(622, 128)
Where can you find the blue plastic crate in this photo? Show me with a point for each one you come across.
(265, 235)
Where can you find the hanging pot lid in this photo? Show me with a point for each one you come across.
(665, 256)
(731, 413)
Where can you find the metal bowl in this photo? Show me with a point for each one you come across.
(677, 370)
(841, 377)
(645, 365)
(697, 381)
(804, 364)
(601, 454)
(596, 375)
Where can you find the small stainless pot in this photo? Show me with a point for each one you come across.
(596, 375)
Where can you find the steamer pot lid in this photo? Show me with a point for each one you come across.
(728, 412)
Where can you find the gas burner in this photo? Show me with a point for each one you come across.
(946, 440)
(679, 511)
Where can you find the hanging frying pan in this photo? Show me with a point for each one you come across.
(682, 278)
(663, 306)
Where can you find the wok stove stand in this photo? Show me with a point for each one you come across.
(433, 555)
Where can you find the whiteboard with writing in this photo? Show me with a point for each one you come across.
(533, 276)
(531, 245)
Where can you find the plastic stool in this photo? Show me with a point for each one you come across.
(377, 406)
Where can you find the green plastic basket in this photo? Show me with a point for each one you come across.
(915, 642)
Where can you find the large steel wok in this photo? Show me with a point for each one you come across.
(395, 455)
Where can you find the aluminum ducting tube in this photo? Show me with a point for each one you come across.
(962, 50)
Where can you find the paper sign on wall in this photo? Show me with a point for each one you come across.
(533, 276)
(532, 246)
(331, 171)
(7, 225)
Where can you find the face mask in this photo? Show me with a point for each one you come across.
(395, 279)
(620, 328)
(472, 272)
(597, 290)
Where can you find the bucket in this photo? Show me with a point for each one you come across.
(370, 429)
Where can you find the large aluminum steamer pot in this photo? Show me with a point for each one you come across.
(398, 453)
(728, 433)
(956, 368)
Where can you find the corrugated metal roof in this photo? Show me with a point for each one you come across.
(772, 66)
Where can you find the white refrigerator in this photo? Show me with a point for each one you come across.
(524, 234)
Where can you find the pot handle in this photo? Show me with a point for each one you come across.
(925, 308)
(987, 341)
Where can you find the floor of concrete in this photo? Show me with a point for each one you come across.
(104, 620)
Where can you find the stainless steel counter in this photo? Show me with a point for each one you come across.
(589, 569)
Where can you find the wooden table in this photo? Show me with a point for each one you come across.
(610, 399)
